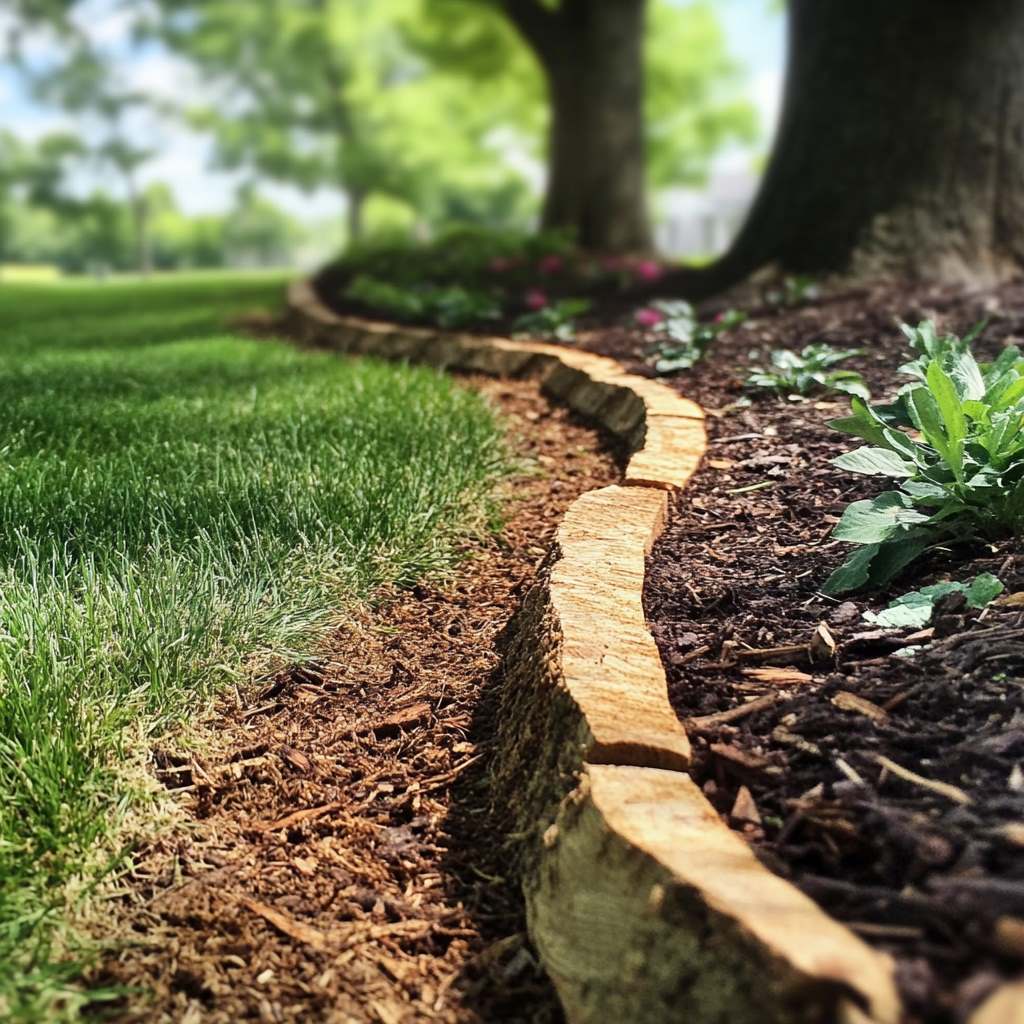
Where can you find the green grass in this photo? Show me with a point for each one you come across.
(178, 507)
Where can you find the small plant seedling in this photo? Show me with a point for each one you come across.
(812, 369)
(553, 321)
(795, 290)
(959, 462)
(682, 338)
(914, 610)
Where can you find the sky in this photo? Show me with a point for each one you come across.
(185, 158)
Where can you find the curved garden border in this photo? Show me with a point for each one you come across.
(642, 904)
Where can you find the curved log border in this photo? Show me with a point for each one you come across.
(642, 904)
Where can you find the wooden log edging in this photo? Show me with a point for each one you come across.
(643, 905)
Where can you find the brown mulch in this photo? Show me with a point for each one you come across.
(805, 747)
(337, 857)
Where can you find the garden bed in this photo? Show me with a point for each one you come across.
(806, 748)
(884, 784)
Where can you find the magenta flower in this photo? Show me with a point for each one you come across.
(551, 264)
(648, 270)
(536, 299)
(648, 317)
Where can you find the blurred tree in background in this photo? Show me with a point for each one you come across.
(439, 104)
(325, 92)
(420, 113)
(632, 94)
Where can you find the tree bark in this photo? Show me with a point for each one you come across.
(900, 150)
(592, 55)
(355, 202)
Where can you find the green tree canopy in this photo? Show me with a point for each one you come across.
(327, 93)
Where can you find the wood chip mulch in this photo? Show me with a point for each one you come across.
(880, 771)
(337, 857)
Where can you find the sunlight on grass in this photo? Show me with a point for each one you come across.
(179, 506)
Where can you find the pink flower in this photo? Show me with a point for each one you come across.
(648, 270)
(551, 264)
(499, 264)
(647, 317)
(536, 299)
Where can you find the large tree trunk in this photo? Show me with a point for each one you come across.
(592, 55)
(901, 145)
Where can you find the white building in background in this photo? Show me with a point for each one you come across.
(701, 222)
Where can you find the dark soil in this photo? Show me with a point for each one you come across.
(803, 750)
(337, 857)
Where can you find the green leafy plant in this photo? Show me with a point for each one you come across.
(914, 610)
(555, 320)
(385, 296)
(455, 306)
(960, 466)
(795, 290)
(448, 306)
(800, 373)
(682, 338)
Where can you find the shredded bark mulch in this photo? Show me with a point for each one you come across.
(881, 771)
(337, 857)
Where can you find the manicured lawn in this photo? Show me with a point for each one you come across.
(180, 507)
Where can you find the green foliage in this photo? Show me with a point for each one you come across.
(694, 93)
(694, 97)
(398, 300)
(470, 276)
(960, 467)
(465, 255)
(556, 320)
(44, 219)
(182, 508)
(333, 95)
(801, 373)
(682, 338)
(447, 306)
(795, 290)
(914, 610)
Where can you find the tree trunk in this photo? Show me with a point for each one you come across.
(140, 231)
(592, 55)
(901, 145)
(355, 202)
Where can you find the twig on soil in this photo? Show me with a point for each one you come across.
(308, 814)
(954, 793)
(846, 701)
(734, 714)
(440, 780)
(296, 930)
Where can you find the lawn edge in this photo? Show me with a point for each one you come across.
(642, 903)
